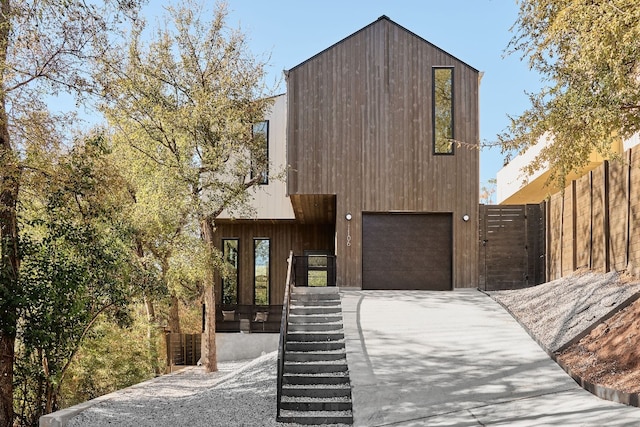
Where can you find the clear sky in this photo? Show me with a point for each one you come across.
(475, 31)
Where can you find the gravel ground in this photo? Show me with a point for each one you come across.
(239, 394)
(558, 311)
(244, 393)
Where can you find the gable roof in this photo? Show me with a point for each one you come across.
(382, 18)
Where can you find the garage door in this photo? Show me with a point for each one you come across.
(407, 251)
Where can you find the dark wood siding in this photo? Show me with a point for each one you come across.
(512, 246)
(406, 251)
(360, 127)
(285, 236)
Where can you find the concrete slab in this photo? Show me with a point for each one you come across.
(456, 359)
(241, 346)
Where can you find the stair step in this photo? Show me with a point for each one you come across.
(316, 386)
(316, 417)
(316, 404)
(304, 302)
(315, 327)
(304, 310)
(314, 336)
(317, 318)
(323, 378)
(316, 390)
(315, 367)
(314, 356)
(311, 346)
(315, 292)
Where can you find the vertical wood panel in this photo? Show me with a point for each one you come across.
(574, 226)
(482, 250)
(607, 220)
(606, 223)
(634, 213)
(567, 233)
(555, 234)
(598, 253)
(583, 222)
(512, 246)
(360, 127)
(285, 236)
(618, 214)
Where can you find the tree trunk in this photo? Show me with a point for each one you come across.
(152, 341)
(209, 357)
(174, 315)
(9, 255)
(7, 342)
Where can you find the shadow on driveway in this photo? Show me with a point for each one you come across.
(457, 359)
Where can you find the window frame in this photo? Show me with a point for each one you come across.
(265, 178)
(268, 278)
(237, 266)
(434, 144)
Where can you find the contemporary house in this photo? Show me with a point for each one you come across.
(373, 179)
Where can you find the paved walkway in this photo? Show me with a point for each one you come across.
(457, 359)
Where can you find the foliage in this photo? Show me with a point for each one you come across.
(88, 226)
(187, 101)
(75, 267)
(589, 55)
(45, 49)
(111, 358)
(487, 190)
(161, 211)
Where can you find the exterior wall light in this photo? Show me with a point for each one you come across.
(465, 217)
(348, 216)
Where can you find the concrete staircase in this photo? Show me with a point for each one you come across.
(315, 384)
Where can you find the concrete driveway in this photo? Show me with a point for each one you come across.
(457, 358)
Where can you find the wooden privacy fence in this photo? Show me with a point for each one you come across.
(512, 246)
(183, 349)
(595, 223)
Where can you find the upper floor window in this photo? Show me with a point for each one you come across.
(260, 157)
(443, 110)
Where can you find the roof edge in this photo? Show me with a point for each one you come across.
(381, 18)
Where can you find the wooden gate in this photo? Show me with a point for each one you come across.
(512, 246)
(183, 349)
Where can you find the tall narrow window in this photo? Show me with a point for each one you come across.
(230, 252)
(261, 256)
(260, 157)
(443, 110)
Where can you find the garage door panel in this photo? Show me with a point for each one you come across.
(398, 280)
(377, 259)
(407, 251)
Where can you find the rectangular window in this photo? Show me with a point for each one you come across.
(443, 110)
(261, 256)
(230, 252)
(260, 156)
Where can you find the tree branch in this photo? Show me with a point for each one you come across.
(77, 347)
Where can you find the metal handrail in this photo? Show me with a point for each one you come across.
(284, 325)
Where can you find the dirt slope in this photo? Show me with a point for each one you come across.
(610, 354)
(557, 312)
